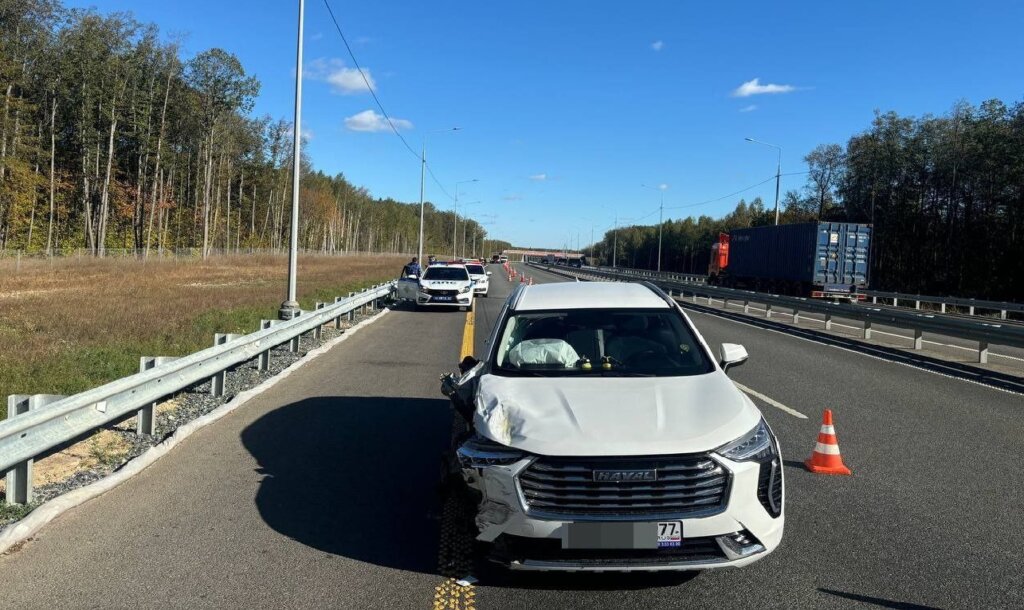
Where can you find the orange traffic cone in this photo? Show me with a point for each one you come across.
(825, 458)
(522, 280)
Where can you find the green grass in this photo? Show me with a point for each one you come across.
(78, 368)
(14, 512)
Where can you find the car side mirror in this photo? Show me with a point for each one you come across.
(489, 272)
(732, 354)
(467, 363)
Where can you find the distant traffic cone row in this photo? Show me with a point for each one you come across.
(825, 458)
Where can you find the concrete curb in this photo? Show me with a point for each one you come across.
(24, 529)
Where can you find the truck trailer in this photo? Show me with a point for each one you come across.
(816, 259)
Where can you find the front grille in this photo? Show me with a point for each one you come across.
(510, 548)
(769, 487)
(565, 487)
(441, 293)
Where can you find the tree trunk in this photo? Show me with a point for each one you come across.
(105, 196)
(53, 147)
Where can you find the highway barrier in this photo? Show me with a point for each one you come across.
(39, 423)
(971, 305)
(983, 332)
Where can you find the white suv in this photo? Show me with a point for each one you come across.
(604, 435)
(481, 278)
(445, 285)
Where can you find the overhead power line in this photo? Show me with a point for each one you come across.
(380, 106)
(733, 194)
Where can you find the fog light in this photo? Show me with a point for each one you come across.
(739, 544)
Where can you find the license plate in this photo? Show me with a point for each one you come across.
(670, 534)
(442, 298)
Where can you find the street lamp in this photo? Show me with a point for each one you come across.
(778, 173)
(455, 225)
(661, 215)
(290, 307)
(423, 172)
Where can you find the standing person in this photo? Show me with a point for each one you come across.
(413, 268)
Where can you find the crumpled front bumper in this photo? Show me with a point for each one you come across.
(525, 542)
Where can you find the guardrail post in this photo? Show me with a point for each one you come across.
(145, 420)
(796, 317)
(942, 307)
(337, 321)
(1002, 314)
(982, 352)
(218, 379)
(971, 310)
(768, 310)
(918, 338)
(828, 320)
(352, 312)
(867, 329)
(695, 298)
(263, 361)
(709, 300)
(318, 332)
(895, 302)
(917, 304)
(746, 306)
(874, 300)
(725, 303)
(19, 477)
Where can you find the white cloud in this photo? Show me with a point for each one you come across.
(539, 177)
(370, 121)
(754, 87)
(749, 108)
(657, 45)
(663, 187)
(342, 79)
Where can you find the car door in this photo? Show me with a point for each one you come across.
(407, 288)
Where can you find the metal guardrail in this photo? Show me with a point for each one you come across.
(38, 423)
(689, 278)
(970, 304)
(984, 333)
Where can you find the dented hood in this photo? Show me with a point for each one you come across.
(613, 415)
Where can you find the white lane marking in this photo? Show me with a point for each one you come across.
(811, 318)
(769, 400)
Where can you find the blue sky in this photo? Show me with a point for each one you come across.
(567, 107)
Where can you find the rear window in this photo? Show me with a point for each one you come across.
(475, 269)
(606, 342)
(446, 273)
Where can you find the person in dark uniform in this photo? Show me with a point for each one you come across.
(413, 268)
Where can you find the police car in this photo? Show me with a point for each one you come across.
(441, 285)
(480, 277)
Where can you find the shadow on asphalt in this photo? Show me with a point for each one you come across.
(877, 601)
(355, 476)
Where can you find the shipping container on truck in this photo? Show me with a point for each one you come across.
(817, 259)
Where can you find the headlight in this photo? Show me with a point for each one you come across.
(466, 289)
(754, 445)
(480, 452)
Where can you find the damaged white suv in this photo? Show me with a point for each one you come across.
(603, 435)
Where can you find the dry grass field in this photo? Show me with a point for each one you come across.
(69, 325)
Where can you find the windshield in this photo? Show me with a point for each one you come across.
(475, 269)
(446, 273)
(615, 342)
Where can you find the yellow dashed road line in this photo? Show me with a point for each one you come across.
(455, 548)
(467, 334)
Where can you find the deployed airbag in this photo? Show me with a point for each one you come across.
(543, 351)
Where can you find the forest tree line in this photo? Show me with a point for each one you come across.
(109, 138)
(945, 195)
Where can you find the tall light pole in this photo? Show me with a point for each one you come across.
(778, 173)
(464, 225)
(423, 175)
(455, 225)
(290, 307)
(661, 215)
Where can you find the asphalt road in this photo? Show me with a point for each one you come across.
(322, 493)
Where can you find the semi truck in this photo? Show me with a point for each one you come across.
(816, 259)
